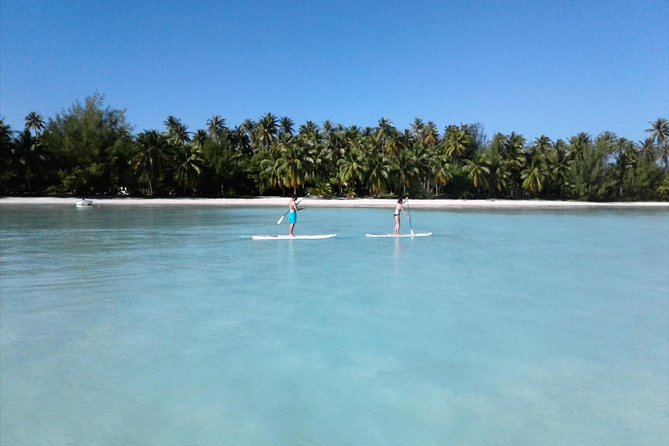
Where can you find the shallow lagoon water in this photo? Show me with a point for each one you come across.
(168, 325)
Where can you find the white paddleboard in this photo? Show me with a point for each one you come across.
(418, 234)
(297, 237)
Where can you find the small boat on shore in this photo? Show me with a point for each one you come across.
(84, 202)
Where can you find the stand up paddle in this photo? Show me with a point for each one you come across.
(288, 211)
(409, 213)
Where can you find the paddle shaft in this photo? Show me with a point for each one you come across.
(409, 214)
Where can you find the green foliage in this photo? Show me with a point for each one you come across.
(588, 175)
(662, 191)
(457, 142)
(89, 145)
(8, 175)
(89, 148)
(641, 183)
(322, 189)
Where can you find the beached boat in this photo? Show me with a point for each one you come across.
(84, 202)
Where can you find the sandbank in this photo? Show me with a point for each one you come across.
(336, 203)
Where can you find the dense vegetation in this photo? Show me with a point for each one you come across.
(90, 149)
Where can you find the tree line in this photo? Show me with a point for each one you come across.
(90, 149)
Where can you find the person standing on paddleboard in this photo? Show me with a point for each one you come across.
(399, 207)
(292, 215)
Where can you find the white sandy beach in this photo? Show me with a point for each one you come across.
(334, 203)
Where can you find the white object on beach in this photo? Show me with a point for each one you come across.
(296, 237)
(418, 234)
(84, 202)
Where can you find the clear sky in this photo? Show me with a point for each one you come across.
(534, 67)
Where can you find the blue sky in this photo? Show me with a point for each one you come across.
(534, 67)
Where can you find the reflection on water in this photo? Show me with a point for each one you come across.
(170, 326)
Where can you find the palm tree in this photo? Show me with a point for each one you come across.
(477, 173)
(588, 178)
(187, 173)
(659, 130)
(295, 164)
(647, 147)
(660, 133)
(30, 155)
(6, 133)
(515, 159)
(351, 168)
(429, 135)
(456, 141)
(499, 174)
(406, 171)
(266, 131)
(417, 127)
(171, 123)
(558, 167)
(30, 149)
(334, 148)
(152, 152)
(200, 138)
(384, 134)
(442, 171)
(34, 122)
(579, 144)
(7, 174)
(477, 137)
(626, 160)
(397, 143)
(543, 145)
(329, 128)
(515, 145)
(177, 132)
(248, 129)
(534, 176)
(270, 170)
(424, 161)
(311, 146)
(286, 126)
(377, 167)
(216, 127)
(242, 137)
(310, 133)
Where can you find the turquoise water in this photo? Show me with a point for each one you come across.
(169, 326)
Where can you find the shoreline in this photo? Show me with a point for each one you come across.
(336, 203)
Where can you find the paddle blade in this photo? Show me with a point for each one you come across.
(280, 220)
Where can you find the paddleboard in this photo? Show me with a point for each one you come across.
(297, 237)
(418, 234)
